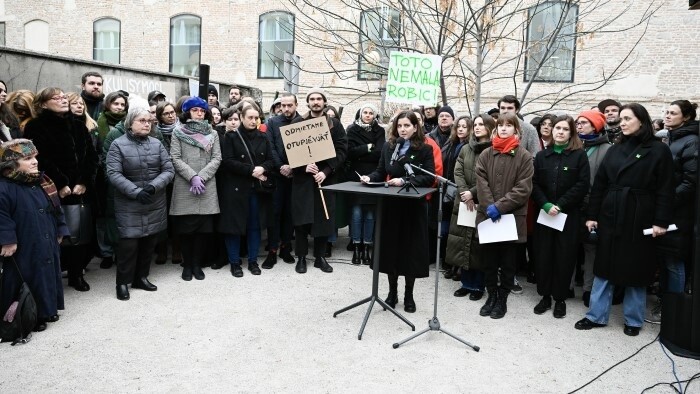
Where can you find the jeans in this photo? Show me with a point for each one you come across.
(233, 242)
(362, 226)
(673, 276)
(472, 279)
(601, 298)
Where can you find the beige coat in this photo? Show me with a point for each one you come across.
(505, 180)
(189, 161)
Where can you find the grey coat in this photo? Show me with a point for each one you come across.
(189, 161)
(132, 163)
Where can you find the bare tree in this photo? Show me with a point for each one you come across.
(481, 42)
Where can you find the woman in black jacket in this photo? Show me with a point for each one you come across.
(365, 143)
(245, 194)
(559, 185)
(632, 192)
(405, 237)
(67, 156)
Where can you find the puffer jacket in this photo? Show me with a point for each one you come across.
(132, 163)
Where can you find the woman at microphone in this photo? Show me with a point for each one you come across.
(404, 248)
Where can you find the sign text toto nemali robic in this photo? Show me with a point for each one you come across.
(413, 78)
(308, 141)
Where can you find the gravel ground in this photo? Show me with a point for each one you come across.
(276, 333)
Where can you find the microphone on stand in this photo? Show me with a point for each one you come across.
(409, 170)
(399, 143)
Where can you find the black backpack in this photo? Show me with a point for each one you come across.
(20, 329)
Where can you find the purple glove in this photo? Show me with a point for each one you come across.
(197, 185)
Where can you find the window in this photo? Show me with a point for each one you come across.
(185, 44)
(557, 61)
(380, 30)
(36, 36)
(2, 33)
(276, 36)
(106, 37)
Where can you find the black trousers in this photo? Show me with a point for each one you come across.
(280, 233)
(193, 248)
(302, 242)
(74, 259)
(134, 258)
(501, 255)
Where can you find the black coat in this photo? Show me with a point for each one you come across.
(361, 159)
(632, 191)
(683, 143)
(305, 190)
(404, 232)
(66, 153)
(236, 182)
(279, 155)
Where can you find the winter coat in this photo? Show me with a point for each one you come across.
(66, 153)
(632, 191)
(596, 150)
(683, 143)
(279, 155)
(132, 163)
(189, 161)
(360, 159)
(305, 190)
(506, 181)
(449, 152)
(529, 139)
(236, 181)
(439, 137)
(28, 219)
(404, 232)
(462, 244)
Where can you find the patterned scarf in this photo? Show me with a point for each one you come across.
(167, 129)
(365, 126)
(196, 133)
(47, 184)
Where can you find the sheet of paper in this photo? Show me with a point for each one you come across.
(648, 231)
(501, 231)
(466, 217)
(556, 222)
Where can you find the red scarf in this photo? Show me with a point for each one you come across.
(505, 145)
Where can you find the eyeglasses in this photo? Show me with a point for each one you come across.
(198, 110)
(59, 98)
(169, 113)
(581, 124)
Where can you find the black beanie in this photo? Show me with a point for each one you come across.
(447, 109)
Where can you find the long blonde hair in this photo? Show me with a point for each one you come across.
(90, 123)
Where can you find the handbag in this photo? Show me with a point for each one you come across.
(79, 222)
(450, 194)
(17, 323)
(260, 186)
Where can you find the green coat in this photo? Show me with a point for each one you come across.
(462, 244)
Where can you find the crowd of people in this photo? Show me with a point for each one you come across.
(126, 179)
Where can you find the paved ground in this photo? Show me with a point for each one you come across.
(276, 333)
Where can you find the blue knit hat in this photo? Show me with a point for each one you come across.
(194, 102)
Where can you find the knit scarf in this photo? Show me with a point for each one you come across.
(196, 133)
(505, 145)
(365, 126)
(588, 137)
(167, 129)
(106, 120)
(47, 184)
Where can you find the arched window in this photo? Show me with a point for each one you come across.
(185, 44)
(106, 39)
(276, 37)
(36, 36)
(551, 45)
(380, 30)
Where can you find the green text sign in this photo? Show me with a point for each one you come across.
(413, 78)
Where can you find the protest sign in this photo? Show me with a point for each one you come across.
(413, 78)
(137, 86)
(307, 142)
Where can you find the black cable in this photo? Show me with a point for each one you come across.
(616, 364)
(671, 384)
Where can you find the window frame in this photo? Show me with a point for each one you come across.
(94, 43)
(173, 20)
(386, 14)
(265, 17)
(574, 11)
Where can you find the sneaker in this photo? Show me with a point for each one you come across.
(516, 289)
(654, 316)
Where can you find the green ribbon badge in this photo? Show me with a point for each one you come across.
(566, 168)
(638, 156)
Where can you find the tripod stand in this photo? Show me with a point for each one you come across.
(434, 323)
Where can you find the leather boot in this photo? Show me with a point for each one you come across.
(187, 272)
(499, 310)
(78, 283)
(409, 305)
(301, 265)
(270, 260)
(122, 292)
(285, 253)
(322, 264)
(490, 302)
(357, 255)
(369, 254)
(197, 272)
(143, 284)
(392, 299)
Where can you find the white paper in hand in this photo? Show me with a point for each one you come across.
(556, 222)
(466, 217)
(500, 231)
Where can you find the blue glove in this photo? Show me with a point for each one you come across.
(493, 213)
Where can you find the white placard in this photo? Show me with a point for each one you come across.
(500, 231)
(413, 78)
(556, 222)
(648, 231)
(466, 217)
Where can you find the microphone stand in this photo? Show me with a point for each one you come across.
(407, 185)
(434, 323)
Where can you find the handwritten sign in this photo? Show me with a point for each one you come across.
(307, 142)
(137, 86)
(413, 78)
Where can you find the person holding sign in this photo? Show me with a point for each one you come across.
(503, 185)
(559, 185)
(310, 213)
(404, 250)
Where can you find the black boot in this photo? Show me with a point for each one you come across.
(409, 305)
(270, 260)
(301, 265)
(490, 302)
(143, 284)
(78, 283)
(122, 292)
(187, 272)
(500, 309)
(285, 253)
(369, 254)
(321, 263)
(197, 272)
(392, 299)
(357, 254)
